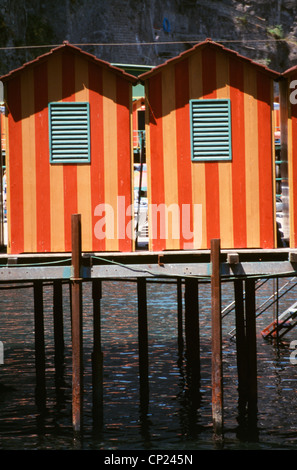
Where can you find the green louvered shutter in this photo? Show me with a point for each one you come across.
(69, 129)
(210, 130)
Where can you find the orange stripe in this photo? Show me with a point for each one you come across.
(211, 168)
(69, 171)
(225, 168)
(183, 149)
(14, 162)
(97, 149)
(83, 171)
(198, 168)
(42, 158)
(266, 189)
(251, 161)
(110, 159)
(56, 171)
(238, 153)
(29, 161)
(170, 159)
(155, 157)
(124, 93)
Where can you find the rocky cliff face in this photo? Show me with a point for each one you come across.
(115, 30)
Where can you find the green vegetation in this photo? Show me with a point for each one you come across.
(276, 31)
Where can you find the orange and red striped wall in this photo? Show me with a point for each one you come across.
(42, 196)
(236, 198)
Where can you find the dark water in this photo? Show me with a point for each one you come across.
(171, 422)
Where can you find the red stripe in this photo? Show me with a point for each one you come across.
(265, 161)
(238, 153)
(42, 159)
(97, 147)
(124, 162)
(156, 145)
(211, 168)
(16, 216)
(69, 171)
(183, 148)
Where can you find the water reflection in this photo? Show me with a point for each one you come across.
(174, 412)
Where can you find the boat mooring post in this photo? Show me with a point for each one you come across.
(58, 322)
(143, 344)
(97, 357)
(39, 343)
(76, 318)
(216, 319)
(251, 341)
(192, 339)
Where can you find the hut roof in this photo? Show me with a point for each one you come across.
(75, 50)
(209, 43)
(289, 71)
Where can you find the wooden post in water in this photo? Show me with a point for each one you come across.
(251, 341)
(58, 322)
(39, 343)
(180, 340)
(76, 316)
(192, 338)
(143, 344)
(97, 358)
(217, 365)
(241, 352)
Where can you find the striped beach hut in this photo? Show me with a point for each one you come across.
(210, 150)
(69, 150)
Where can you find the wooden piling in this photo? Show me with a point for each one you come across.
(39, 343)
(241, 352)
(217, 365)
(251, 341)
(58, 321)
(180, 339)
(192, 339)
(97, 357)
(143, 343)
(76, 309)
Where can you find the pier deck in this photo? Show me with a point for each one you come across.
(145, 264)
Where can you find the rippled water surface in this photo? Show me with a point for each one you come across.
(171, 421)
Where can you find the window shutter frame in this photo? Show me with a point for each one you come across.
(210, 130)
(69, 132)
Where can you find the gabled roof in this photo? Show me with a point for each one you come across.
(75, 50)
(209, 43)
(289, 71)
